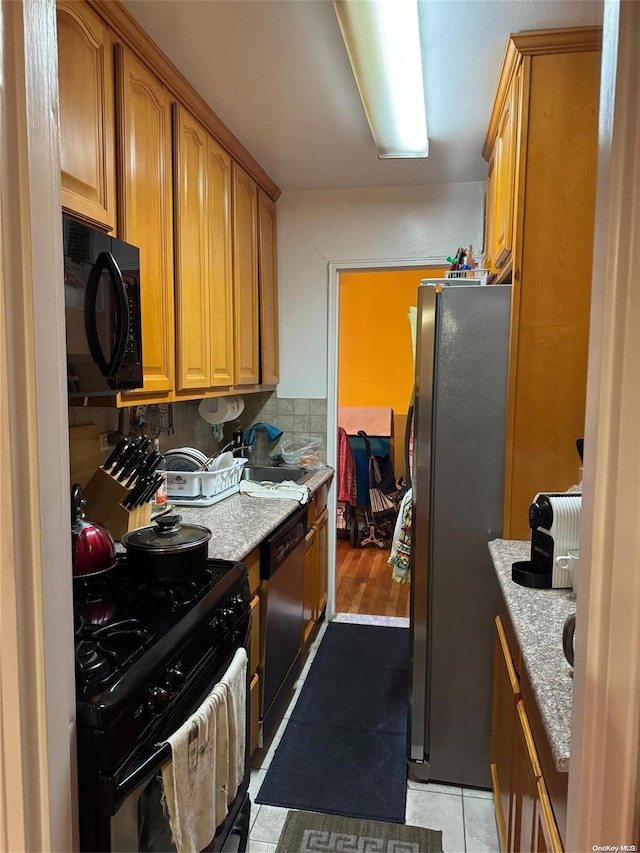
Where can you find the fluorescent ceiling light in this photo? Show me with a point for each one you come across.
(383, 42)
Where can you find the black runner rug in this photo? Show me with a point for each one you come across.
(344, 749)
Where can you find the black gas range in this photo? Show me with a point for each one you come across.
(146, 658)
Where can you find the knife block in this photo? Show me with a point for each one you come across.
(104, 495)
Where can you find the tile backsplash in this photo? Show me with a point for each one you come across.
(298, 417)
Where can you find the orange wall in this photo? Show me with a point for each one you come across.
(375, 361)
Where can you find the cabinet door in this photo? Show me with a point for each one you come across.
(87, 114)
(506, 693)
(268, 284)
(547, 838)
(254, 713)
(219, 262)
(489, 215)
(309, 595)
(322, 534)
(526, 773)
(254, 649)
(193, 331)
(146, 212)
(245, 277)
(506, 150)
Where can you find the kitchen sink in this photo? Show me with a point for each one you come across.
(276, 473)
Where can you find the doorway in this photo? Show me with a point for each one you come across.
(374, 383)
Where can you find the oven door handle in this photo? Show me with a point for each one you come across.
(116, 791)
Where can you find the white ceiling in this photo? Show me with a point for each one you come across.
(277, 74)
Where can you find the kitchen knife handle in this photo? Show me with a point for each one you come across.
(151, 463)
(134, 461)
(115, 454)
(130, 500)
(137, 472)
(150, 491)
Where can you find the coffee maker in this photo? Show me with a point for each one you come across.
(554, 519)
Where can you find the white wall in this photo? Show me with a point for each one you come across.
(317, 227)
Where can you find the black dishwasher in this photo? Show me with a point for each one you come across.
(282, 570)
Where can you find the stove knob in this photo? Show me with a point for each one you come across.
(175, 679)
(228, 618)
(158, 701)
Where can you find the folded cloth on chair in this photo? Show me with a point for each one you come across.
(401, 542)
(207, 761)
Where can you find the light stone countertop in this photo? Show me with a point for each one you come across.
(538, 616)
(239, 523)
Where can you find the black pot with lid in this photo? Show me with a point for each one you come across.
(167, 552)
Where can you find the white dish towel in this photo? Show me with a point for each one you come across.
(207, 761)
(286, 490)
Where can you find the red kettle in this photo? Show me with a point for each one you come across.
(92, 547)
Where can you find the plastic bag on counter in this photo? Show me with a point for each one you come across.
(302, 451)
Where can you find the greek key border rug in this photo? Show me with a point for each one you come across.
(310, 832)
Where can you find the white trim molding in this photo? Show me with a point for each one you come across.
(333, 324)
(604, 773)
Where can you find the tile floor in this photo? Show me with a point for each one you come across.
(466, 817)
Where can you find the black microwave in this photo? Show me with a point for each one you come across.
(102, 312)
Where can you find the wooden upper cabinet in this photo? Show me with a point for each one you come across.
(505, 171)
(193, 321)
(146, 210)
(268, 285)
(221, 346)
(489, 215)
(546, 113)
(245, 277)
(204, 296)
(87, 116)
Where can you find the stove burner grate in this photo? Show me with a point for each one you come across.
(104, 649)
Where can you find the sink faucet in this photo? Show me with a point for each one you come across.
(260, 453)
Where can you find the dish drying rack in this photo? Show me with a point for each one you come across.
(465, 276)
(204, 488)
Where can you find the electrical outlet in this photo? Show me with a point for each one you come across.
(104, 441)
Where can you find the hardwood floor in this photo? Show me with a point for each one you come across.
(364, 583)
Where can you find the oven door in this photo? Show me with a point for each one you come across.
(141, 823)
(132, 817)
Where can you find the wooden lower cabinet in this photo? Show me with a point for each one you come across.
(315, 576)
(254, 712)
(310, 573)
(254, 649)
(546, 838)
(524, 814)
(506, 693)
(524, 785)
(322, 575)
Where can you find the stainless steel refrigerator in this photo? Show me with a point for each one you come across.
(458, 418)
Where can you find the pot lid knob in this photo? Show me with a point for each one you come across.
(168, 525)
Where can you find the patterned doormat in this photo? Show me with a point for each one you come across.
(310, 832)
